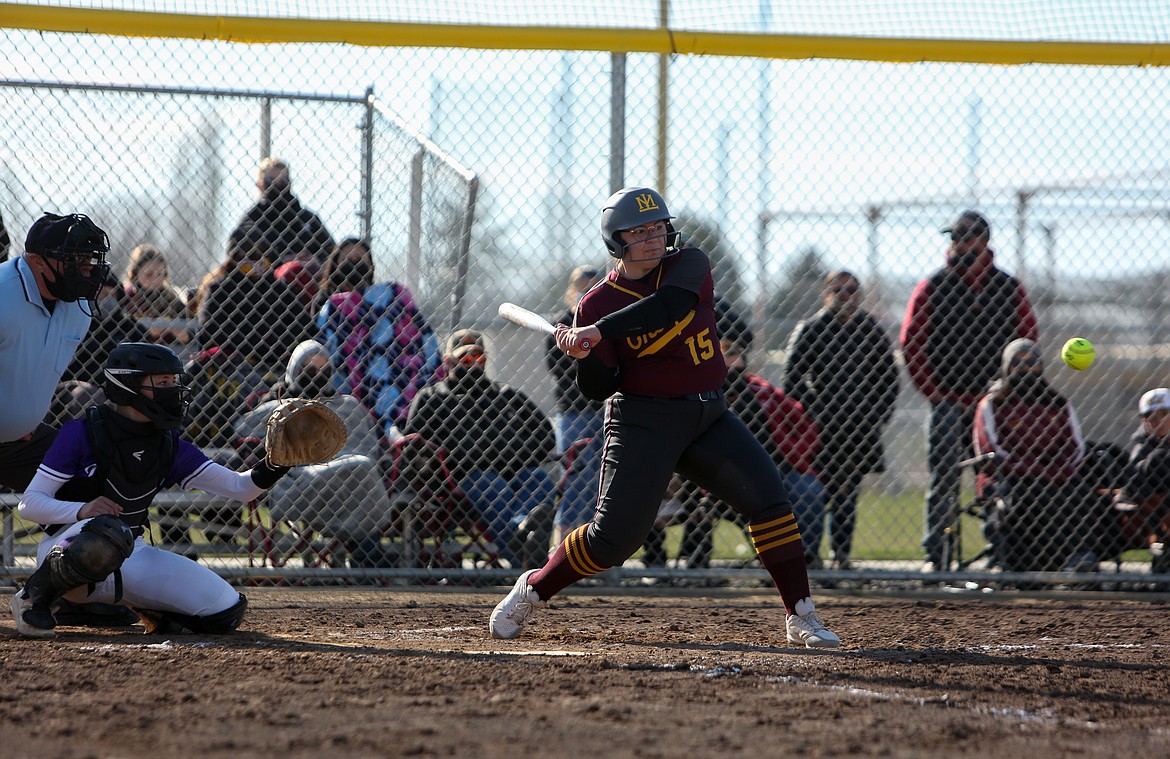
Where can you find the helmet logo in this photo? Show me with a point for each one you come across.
(646, 202)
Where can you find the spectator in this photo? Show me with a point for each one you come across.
(1035, 436)
(383, 349)
(92, 495)
(786, 432)
(1142, 502)
(577, 417)
(343, 498)
(149, 294)
(840, 367)
(958, 321)
(290, 231)
(244, 311)
(496, 438)
(248, 325)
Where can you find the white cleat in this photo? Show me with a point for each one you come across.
(516, 610)
(805, 627)
(20, 605)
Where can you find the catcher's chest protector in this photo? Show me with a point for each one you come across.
(131, 468)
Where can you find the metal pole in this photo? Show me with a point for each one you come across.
(1022, 199)
(464, 266)
(265, 127)
(367, 212)
(663, 66)
(414, 233)
(974, 141)
(874, 216)
(762, 179)
(760, 311)
(617, 123)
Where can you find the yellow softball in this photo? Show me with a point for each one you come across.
(1078, 353)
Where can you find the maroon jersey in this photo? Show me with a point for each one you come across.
(679, 360)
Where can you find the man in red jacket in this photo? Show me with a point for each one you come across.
(958, 321)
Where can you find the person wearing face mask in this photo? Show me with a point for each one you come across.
(290, 231)
(343, 498)
(496, 439)
(840, 366)
(1034, 437)
(92, 495)
(577, 418)
(47, 303)
(958, 321)
(382, 348)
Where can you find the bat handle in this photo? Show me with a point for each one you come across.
(584, 345)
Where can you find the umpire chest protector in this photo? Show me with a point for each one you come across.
(132, 459)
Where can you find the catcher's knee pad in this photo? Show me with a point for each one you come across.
(220, 623)
(102, 545)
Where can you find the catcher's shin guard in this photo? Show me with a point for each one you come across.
(172, 622)
(100, 548)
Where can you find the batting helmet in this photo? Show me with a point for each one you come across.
(632, 207)
(128, 366)
(81, 245)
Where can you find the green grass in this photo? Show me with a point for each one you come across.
(889, 528)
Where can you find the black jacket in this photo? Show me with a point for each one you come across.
(487, 427)
(288, 228)
(845, 377)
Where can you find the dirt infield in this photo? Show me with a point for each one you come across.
(329, 672)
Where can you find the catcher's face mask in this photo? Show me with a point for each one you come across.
(164, 399)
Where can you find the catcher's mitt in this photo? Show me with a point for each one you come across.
(302, 431)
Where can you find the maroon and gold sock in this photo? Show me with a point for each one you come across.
(571, 561)
(781, 551)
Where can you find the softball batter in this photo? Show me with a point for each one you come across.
(651, 329)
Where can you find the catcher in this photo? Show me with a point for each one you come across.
(93, 491)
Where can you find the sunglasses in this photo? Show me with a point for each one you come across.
(472, 358)
(589, 273)
(967, 232)
(845, 289)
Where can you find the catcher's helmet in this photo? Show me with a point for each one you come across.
(80, 244)
(129, 364)
(632, 207)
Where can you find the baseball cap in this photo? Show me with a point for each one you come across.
(55, 235)
(464, 341)
(1157, 399)
(969, 224)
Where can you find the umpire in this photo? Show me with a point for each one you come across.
(42, 322)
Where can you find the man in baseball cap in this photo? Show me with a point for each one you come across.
(1157, 399)
(1142, 502)
(464, 342)
(970, 225)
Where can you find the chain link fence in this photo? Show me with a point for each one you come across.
(427, 184)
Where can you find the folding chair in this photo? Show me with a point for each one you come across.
(437, 523)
